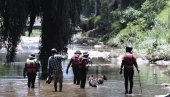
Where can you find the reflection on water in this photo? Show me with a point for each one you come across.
(148, 74)
(11, 71)
(150, 77)
(13, 84)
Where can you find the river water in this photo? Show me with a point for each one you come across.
(153, 81)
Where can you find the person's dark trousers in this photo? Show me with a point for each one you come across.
(76, 79)
(83, 73)
(128, 75)
(31, 80)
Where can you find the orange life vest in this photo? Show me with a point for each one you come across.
(31, 66)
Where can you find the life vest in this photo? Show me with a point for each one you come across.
(31, 66)
(75, 60)
(129, 60)
(84, 62)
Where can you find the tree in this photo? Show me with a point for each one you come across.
(97, 7)
(58, 17)
(13, 16)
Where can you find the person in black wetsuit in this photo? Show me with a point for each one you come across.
(128, 63)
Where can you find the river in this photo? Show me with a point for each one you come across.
(154, 83)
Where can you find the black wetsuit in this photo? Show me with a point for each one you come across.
(128, 62)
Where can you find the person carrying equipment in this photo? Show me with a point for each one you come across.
(55, 68)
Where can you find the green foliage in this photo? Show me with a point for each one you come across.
(153, 5)
(58, 18)
(35, 32)
(13, 16)
(168, 36)
(115, 27)
(137, 3)
(130, 35)
(129, 15)
(135, 19)
(105, 14)
(97, 19)
(87, 7)
(164, 15)
(140, 25)
(121, 18)
(168, 21)
(150, 8)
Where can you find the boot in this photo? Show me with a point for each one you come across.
(131, 87)
(55, 88)
(130, 92)
(61, 86)
(126, 91)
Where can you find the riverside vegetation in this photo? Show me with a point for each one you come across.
(145, 25)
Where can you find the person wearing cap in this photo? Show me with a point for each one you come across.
(55, 68)
(30, 69)
(128, 64)
(74, 62)
(83, 68)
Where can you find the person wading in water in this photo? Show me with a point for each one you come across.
(75, 62)
(83, 68)
(55, 68)
(31, 68)
(128, 63)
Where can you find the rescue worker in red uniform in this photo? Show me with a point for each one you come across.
(83, 68)
(128, 63)
(74, 62)
(30, 69)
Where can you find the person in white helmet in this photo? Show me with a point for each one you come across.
(31, 68)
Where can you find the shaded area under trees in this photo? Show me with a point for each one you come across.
(58, 17)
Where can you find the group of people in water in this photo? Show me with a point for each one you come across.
(80, 64)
